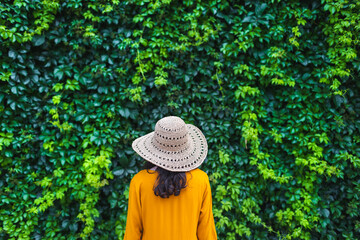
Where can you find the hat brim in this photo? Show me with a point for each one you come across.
(175, 161)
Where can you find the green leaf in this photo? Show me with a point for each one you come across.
(39, 40)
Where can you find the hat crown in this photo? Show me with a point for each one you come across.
(171, 134)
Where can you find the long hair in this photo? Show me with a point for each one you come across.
(167, 183)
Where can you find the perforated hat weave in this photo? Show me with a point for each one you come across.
(174, 145)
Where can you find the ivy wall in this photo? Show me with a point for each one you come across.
(274, 86)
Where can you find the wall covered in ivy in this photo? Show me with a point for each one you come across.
(274, 86)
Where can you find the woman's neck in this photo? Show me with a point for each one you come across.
(153, 168)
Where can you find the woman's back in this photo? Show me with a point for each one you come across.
(185, 217)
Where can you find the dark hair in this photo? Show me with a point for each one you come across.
(167, 182)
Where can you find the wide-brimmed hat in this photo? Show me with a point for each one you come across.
(174, 145)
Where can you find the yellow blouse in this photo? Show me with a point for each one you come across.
(187, 216)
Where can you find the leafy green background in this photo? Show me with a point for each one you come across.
(273, 85)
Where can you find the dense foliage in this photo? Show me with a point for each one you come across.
(274, 86)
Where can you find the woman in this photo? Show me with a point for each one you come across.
(171, 199)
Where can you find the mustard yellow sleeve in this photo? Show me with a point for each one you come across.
(134, 227)
(206, 227)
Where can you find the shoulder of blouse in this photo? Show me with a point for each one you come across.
(199, 176)
(200, 173)
(141, 174)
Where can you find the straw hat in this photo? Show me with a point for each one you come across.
(174, 145)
